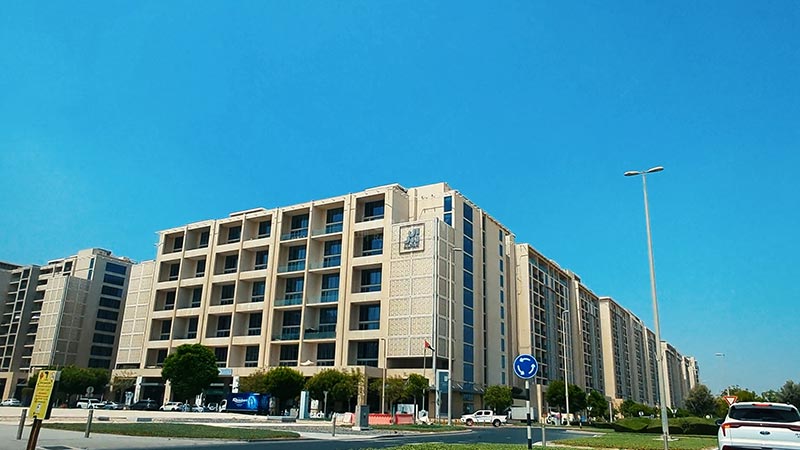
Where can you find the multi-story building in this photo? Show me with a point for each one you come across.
(358, 281)
(361, 281)
(63, 313)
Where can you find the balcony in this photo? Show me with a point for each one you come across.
(326, 297)
(295, 234)
(293, 266)
(329, 229)
(290, 299)
(287, 334)
(326, 331)
(327, 262)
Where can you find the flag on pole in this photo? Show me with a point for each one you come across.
(428, 345)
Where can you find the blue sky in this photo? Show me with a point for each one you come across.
(119, 119)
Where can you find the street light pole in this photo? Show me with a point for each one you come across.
(659, 356)
(564, 316)
(727, 385)
(383, 386)
(450, 300)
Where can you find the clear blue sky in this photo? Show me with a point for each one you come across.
(119, 119)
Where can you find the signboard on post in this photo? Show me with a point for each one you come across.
(45, 381)
(525, 367)
(730, 399)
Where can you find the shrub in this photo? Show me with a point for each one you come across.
(631, 425)
(683, 425)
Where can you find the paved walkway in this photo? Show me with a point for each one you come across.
(50, 439)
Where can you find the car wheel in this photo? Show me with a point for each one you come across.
(470, 422)
(496, 423)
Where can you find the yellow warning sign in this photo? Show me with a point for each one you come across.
(45, 380)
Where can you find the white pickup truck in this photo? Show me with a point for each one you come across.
(89, 403)
(483, 416)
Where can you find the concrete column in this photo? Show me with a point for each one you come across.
(137, 392)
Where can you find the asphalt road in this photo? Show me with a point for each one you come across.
(506, 434)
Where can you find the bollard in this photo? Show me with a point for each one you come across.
(333, 422)
(544, 439)
(89, 423)
(21, 423)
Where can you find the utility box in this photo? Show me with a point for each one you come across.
(362, 418)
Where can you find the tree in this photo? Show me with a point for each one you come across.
(123, 381)
(770, 395)
(498, 398)
(341, 386)
(394, 390)
(190, 370)
(598, 403)
(555, 396)
(630, 408)
(284, 383)
(416, 385)
(255, 382)
(74, 380)
(700, 401)
(790, 393)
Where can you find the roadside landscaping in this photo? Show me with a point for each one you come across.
(419, 428)
(175, 430)
(641, 441)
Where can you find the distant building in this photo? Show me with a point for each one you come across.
(65, 312)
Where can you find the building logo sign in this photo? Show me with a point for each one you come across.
(412, 238)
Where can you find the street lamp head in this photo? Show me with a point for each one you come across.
(654, 169)
(631, 173)
(719, 354)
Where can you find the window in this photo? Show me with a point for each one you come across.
(191, 330)
(333, 252)
(372, 244)
(161, 355)
(259, 287)
(369, 317)
(169, 300)
(254, 324)
(330, 288)
(288, 355)
(103, 338)
(367, 354)
(99, 363)
(373, 210)
(448, 203)
(251, 356)
(371, 280)
(294, 285)
(101, 351)
(231, 261)
(234, 234)
(223, 326)
(291, 325)
(106, 326)
(174, 270)
(327, 319)
(467, 245)
(177, 244)
(203, 240)
(112, 291)
(297, 258)
(467, 212)
(197, 297)
(468, 298)
(109, 303)
(165, 329)
(106, 314)
(448, 218)
(264, 228)
(116, 268)
(469, 353)
(200, 270)
(299, 227)
(221, 355)
(226, 297)
(326, 354)
(262, 257)
(467, 228)
(334, 220)
(468, 263)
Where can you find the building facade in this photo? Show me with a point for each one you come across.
(63, 313)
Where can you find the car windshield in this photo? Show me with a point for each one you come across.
(764, 414)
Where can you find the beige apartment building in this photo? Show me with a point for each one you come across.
(358, 281)
(63, 313)
(361, 281)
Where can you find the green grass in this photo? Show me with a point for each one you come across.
(442, 446)
(641, 441)
(175, 430)
(419, 428)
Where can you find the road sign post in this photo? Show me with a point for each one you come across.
(40, 404)
(525, 367)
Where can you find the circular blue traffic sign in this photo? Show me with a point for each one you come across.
(525, 366)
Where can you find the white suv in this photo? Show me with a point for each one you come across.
(757, 425)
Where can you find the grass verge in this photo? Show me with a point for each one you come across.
(175, 430)
(641, 441)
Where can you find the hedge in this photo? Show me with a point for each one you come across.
(682, 425)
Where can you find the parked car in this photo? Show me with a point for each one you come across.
(89, 403)
(484, 416)
(10, 402)
(145, 405)
(171, 406)
(109, 405)
(759, 425)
